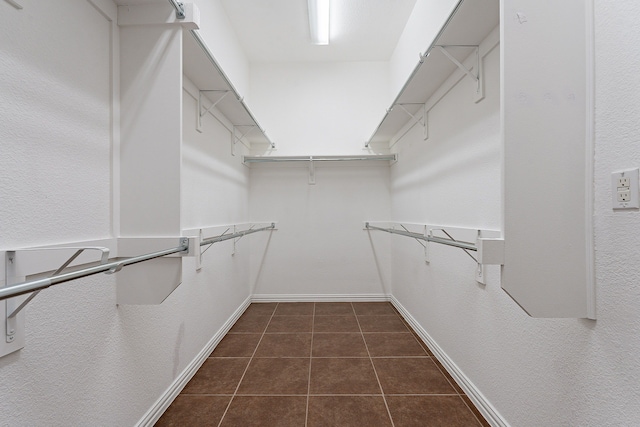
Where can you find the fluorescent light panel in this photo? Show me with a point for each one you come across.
(319, 21)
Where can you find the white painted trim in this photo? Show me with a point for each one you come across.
(589, 159)
(319, 297)
(163, 402)
(479, 400)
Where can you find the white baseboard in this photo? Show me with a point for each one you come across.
(161, 405)
(484, 406)
(318, 297)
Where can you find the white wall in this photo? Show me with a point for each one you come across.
(320, 248)
(423, 26)
(214, 183)
(319, 108)
(569, 372)
(44, 97)
(87, 361)
(217, 32)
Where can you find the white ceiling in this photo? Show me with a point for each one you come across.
(278, 30)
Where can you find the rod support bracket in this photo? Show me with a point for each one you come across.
(422, 120)
(202, 110)
(11, 308)
(237, 135)
(475, 72)
(179, 7)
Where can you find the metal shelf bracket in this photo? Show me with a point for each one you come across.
(235, 138)
(14, 328)
(236, 236)
(179, 7)
(201, 107)
(235, 241)
(490, 251)
(422, 120)
(477, 76)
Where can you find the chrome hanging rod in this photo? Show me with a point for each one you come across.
(274, 159)
(112, 267)
(224, 237)
(448, 242)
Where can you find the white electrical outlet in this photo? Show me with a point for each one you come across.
(623, 182)
(624, 196)
(624, 189)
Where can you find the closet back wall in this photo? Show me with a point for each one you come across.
(320, 248)
(319, 108)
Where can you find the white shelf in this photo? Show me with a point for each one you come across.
(470, 22)
(200, 66)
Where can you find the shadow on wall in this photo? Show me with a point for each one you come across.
(420, 174)
(210, 166)
(383, 285)
(135, 94)
(263, 258)
(176, 350)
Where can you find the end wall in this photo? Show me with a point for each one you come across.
(319, 108)
(320, 249)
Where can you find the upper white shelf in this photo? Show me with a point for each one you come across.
(200, 66)
(470, 22)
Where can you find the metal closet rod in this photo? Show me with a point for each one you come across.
(112, 267)
(224, 237)
(266, 159)
(443, 241)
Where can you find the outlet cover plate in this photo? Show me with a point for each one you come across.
(619, 180)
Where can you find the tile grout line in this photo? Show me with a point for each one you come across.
(375, 372)
(313, 322)
(471, 410)
(432, 356)
(461, 394)
(248, 364)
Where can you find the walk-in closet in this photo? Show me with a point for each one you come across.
(319, 213)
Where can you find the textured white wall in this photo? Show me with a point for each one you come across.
(552, 372)
(217, 32)
(320, 247)
(214, 183)
(87, 361)
(423, 25)
(45, 96)
(319, 108)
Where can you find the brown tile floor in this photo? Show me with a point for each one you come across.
(321, 364)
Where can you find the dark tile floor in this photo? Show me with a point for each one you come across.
(321, 364)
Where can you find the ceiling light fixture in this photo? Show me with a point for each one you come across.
(319, 21)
